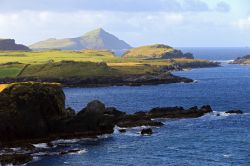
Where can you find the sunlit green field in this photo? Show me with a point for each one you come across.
(124, 65)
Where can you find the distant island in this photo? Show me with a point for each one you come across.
(245, 60)
(10, 44)
(96, 39)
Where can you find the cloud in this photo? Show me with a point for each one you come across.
(223, 7)
(110, 5)
(195, 5)
(244, 23)
(33, 26)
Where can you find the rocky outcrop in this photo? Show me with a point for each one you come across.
(35, 112)
(10, 45)
(179, 112)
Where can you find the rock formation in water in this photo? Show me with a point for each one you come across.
(35, 112)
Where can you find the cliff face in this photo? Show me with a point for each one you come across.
(10, 45)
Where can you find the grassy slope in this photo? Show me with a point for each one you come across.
(11, 70)
(40, 65)
(69, 69)
(148, 51)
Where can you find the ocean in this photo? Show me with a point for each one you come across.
(209, 140)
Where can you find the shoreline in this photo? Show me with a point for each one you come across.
(134, 80)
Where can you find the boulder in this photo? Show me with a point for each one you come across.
(147, 131)
(91, 119)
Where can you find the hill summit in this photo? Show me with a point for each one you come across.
(96, 39)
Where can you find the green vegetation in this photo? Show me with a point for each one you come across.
(10, 70)
(87, 63)
(66, 69)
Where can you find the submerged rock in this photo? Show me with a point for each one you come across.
(122, 130)
(147, 131)
(234, 112)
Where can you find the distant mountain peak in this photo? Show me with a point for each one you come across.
(95, 39)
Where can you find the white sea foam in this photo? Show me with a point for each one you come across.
(79, 152)
(41, 145)
(60, 141)
(104, 136)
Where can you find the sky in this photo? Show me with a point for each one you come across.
(179, 23)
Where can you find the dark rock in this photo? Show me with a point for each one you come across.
(178, 112)
(30, 110)
(71, 151)
(122, 130)
(91, 119)
(113, 111)
(70, 111)
(147, 131)
(95, 106)
(234, 112)
(137, 120)
(15, 159)
(33, 111)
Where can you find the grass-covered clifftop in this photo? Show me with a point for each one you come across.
(156, 51)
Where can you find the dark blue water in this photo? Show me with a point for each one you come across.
(210, 140)
(219, 53)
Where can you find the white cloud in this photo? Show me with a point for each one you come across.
(33, 26)
(244, 23)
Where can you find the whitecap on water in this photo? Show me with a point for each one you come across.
(41, 145)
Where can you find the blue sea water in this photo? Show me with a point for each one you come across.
(210, 140)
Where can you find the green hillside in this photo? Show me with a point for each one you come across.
(66, 69)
